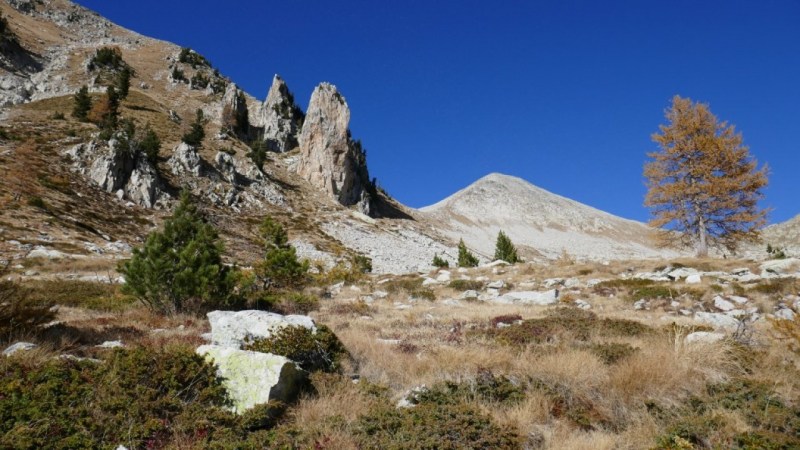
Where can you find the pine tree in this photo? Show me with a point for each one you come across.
(124, 82)
(440, 262)
(196, 133)
(280, 268)
(83, 104)
(179, 268)
(504, 249)
(465, 257)
(150, 144)
(703, 183)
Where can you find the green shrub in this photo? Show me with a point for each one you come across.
(280, 268)
(140, 398)
(440, 262)
(570, 323)
(258, 152)
(149, 144)
(777, 286)
(179, 268)
(411, 285)
(432, 426)
(486, 388)
(320, 351)
(362, 263)
(285, 302)
(505, 250)
(199, 81)
(465, 257)
(466, 285)
(178, 75)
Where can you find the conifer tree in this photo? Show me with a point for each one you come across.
(703, 183)
(124, 82)
(440, 262)
(465, 257)
(504, 249)
(82, 104)
(280, 268)
(179, 268)
(196, 133)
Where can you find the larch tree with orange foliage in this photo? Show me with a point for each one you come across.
(703, 184)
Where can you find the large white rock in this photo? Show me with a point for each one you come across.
(785, 314)
(717, 320)
(694, 279)
(185, 160)
(253, 378)
(232, 329)
(280, 117)
(528, 298)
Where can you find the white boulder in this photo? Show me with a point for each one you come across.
(722, 304)
(716, 320)
(704, 337)
(19, 347)
(254, 378)
(232, 329)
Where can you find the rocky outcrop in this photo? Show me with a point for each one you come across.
(280, 117)
(329, 158)
(185, 160)
(234, 115)
(118, 170)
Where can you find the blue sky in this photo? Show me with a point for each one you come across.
(564, 94)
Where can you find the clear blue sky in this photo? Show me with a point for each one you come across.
(564, 94)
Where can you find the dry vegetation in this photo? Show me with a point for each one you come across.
(510, 376)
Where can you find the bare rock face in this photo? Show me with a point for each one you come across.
(115, 169)
(329, 158)
(185, 160)
(280, 117)
(234, 115)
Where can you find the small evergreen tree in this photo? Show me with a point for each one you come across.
(150, 144)
(196, 133)
(504, 249)
(124, 82)
(280, 268)
(440, 262)
(82, 104)
(465, 257)
(179, 268)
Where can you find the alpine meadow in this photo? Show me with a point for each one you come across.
(199, 253)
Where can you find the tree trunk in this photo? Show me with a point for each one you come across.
(702, 238)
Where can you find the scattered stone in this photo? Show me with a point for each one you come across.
(528, 298)
(232, 329)
(470, 294)
(737, 299)
(716, 320)
(429, 282)
(681, 273)
(443, 277)
(704, 337)
(43, 252)
(111, 344)
(722, 304)
(254, 378)
(380, 294)
(784, 314)
(583, 304)
(499, 284)
(640, 304)
(19, 347)
(694, 279)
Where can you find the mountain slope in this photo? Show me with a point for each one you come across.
(539, 222)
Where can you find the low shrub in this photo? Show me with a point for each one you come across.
(566, 323)
(777, 286)
(613, 352)
(411, 285)
(288, 302)
(466, 285)
(359, 308)
(320, 351)
(140, 398)
(432, 426)
(440, 262)
(81, 294)
(19, 311)
(485, 388)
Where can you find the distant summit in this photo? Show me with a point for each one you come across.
(541, 223)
